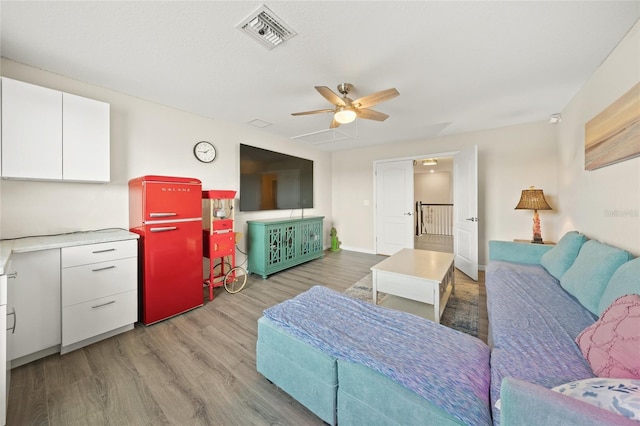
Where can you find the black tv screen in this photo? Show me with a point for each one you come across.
(272, 181)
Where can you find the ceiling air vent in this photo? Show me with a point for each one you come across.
(266, 27)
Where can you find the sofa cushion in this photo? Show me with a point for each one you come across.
(620, 396)
(612, 344)
(626, 280)
(560, 258)
(591, 272)
(533, 324)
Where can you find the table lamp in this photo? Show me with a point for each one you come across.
(533, 199)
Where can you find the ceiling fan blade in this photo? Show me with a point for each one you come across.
(375, 98)
(334, 124)
(330, 95)
(317, 111)
(370, 114)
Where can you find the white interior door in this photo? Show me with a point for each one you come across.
(394, 206)
(465, 211)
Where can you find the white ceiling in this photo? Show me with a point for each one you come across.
(459, 66)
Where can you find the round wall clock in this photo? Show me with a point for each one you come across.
(204, 151)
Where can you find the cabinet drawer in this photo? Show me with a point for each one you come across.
(95, 317)
(91, 253)
(90, 282)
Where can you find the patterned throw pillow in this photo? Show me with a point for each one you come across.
(611, 345)
(620, 396)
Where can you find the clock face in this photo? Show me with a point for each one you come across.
(204, 151)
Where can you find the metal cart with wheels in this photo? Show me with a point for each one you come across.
(219, 242)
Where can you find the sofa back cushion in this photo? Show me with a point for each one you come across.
(560, 258)
(587, 278)
(625, 280)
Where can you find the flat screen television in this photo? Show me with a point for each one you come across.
(271, 180)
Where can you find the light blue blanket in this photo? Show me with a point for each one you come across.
(444, 366)
(534, 324)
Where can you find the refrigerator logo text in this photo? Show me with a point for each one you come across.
(165, 189)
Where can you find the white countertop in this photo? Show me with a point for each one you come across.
(23, 245)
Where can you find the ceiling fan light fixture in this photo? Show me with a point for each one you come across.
(430, 162)
(344, 115)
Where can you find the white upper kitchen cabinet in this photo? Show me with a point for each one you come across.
(51, 135)
(31, 131)
(85, 136)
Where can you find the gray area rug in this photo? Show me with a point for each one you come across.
(460, 314)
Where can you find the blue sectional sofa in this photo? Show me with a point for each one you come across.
(539, 299)
(354, 363)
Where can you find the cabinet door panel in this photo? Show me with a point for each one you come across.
(35, 295)
(31, 131)
(89, 282)
(89, 319)
(85, 139)
(4, 375)
(101, 252)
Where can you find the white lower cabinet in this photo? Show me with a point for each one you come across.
(61, 299)
(33, 305)
(5, 371)
(99, 291)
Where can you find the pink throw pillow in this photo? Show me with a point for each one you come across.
(612, 344)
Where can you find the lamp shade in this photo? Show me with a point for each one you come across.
(344, 115)
(532, 199)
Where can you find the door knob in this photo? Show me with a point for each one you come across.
(408, 214)
(472, 219)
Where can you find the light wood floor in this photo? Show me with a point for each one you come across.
(194, 369)
(433, 242)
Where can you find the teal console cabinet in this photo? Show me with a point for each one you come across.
(277, 244)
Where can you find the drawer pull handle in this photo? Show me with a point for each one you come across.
(13, 275)
(104, 269)
(103, 304)
(15, 321)
(164, 229)
(104, 251)
(162, 214)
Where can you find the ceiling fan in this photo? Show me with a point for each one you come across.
(346, 110)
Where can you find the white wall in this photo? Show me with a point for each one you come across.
(146, 138)
(433, 188)
(510, 159)
(604, 203)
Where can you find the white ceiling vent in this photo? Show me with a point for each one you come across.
(266, 27)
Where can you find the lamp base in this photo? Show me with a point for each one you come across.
(537, 239)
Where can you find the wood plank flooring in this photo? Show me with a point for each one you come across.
(194, 369)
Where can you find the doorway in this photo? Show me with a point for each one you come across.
(433, 199)
(465, 207)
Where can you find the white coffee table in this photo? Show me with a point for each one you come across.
(416, 281)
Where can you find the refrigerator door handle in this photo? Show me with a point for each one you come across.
(162, 214)
(163, 229)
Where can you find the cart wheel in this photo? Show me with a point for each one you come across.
(217, 269)
(235, 279)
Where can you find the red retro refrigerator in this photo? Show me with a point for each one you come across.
(167, 214)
